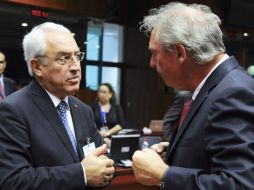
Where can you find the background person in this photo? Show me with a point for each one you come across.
(48, 137)
(108, 114)
(7, 85)
(214, 146)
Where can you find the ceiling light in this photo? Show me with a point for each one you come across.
(24, 24)
(245, 34)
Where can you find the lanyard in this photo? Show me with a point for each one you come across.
(103, 117)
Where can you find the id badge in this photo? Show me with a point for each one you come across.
(88, 148)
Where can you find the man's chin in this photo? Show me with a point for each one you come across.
(73, 89)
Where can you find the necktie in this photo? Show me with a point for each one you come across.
(186, 108)
(62, 112)
(1, 91)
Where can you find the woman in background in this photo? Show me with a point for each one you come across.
(108, 114)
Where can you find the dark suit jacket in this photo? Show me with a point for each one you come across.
(214, 147)
(35, 149)
(9, 86)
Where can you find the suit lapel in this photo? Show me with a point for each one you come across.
(75, 113)
(46, 106)
(193, 110)
(210, 83)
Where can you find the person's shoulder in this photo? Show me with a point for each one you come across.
(9, 80)
(116, 106)
(78, 102)
(19, 97)
(95, 106)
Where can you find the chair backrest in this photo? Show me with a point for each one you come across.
(149, 141)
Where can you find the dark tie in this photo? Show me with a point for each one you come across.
(62, 112)
(186, 108)
(1, 91)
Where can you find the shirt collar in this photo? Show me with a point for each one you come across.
(225, 56)
(57, 100)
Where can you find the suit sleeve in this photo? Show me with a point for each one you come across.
(229, 143)
(17, 170)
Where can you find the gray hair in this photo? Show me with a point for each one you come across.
(194, 26)
(34, 43)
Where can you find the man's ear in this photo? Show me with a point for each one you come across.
(181, 53)
(36, 67)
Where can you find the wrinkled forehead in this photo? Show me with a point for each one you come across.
(153, 42)
(60, 41)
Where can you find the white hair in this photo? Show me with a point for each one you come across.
(194, 26)
(34, 43)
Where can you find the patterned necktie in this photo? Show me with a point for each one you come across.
(62, 112)
(186, 108)
(1, 91)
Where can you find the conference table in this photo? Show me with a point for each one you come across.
(125, 180)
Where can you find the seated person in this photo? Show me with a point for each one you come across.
(108, 114)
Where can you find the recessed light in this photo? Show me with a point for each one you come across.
(245, 34)
(24, 24)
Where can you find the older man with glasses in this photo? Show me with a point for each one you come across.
(48, 138)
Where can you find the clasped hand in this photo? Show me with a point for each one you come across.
(148, 166)
(99, 168)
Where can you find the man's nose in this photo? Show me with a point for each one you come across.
(75, 65)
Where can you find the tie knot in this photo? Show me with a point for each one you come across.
(62, 106)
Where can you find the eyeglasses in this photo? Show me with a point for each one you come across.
(67, 58)
(103, 92)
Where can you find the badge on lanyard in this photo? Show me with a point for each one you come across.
(89, 147)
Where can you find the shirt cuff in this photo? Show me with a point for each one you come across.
(84, 171)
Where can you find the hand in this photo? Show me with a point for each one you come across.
(148, 167)
(98, 167)
(107, 141)
(159, 148)
(104, 133)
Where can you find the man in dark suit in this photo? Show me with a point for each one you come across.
(7, 85)
(213, 148)
(48, 138)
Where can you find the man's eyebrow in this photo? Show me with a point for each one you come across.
(66, 53)
(62, 53)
